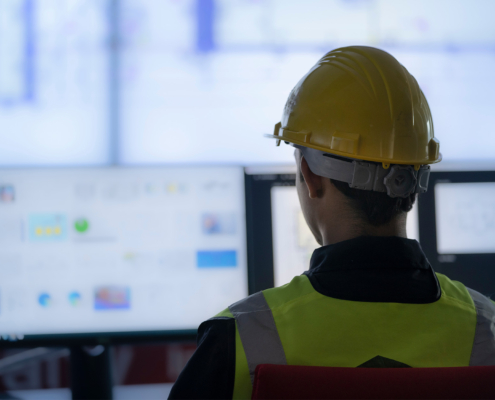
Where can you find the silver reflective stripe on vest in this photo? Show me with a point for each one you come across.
(258, 332)
(483, 352)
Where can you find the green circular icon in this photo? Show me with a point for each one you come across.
(81, 225)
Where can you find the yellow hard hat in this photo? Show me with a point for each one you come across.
(360, 102)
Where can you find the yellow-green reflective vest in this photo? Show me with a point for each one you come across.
(295, 325)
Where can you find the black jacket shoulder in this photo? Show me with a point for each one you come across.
(210, 373)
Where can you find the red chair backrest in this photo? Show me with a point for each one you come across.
(296, 382)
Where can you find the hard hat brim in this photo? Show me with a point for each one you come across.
(352, 156)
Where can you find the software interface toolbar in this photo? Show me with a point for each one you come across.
(108, 249)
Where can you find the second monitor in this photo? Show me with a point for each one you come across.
(457, 221)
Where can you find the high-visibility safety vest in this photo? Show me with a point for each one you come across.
(295, 325)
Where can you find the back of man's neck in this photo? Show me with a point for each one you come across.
(396, 227)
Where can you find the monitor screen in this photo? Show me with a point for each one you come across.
(105, 81)
(274, 194)
(293, 242)
(457, 221)
(55, 86)
(119, 249)
(465, 217)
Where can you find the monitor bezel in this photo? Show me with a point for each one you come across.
(259, 223)
(100, 338)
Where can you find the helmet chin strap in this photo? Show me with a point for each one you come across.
(397, 181)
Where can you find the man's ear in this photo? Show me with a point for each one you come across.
(313, 182)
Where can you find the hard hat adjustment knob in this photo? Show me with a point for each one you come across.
(401, 181)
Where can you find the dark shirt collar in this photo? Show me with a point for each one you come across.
(370, 252)
(374, 269)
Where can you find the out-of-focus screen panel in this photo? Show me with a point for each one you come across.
(196, 81)
(457, 226)
(465, 217)
(54, 82)
(293, 242)
(110, 250)
(211, 76)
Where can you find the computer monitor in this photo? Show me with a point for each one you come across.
(289, 244)
(457, 227)
(119, 250)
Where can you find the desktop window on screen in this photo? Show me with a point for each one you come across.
(119, 249)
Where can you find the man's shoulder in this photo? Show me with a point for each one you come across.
(457, 289)
(224, 314)
(272, 297)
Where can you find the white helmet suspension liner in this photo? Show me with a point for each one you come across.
(397, 180)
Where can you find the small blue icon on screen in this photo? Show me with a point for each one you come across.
(75, 298)
(214, 259)
(45, 300)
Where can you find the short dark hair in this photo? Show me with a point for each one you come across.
(375, 207)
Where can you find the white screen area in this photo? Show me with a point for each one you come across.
(293, 242)
(465, 217)
(54, 82)
(202, 80)
(93, 250)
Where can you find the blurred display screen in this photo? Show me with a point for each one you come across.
(195, 81)
(293, 242)
(54, 82)
(108, 249)
(202, 80)
(465, 217)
